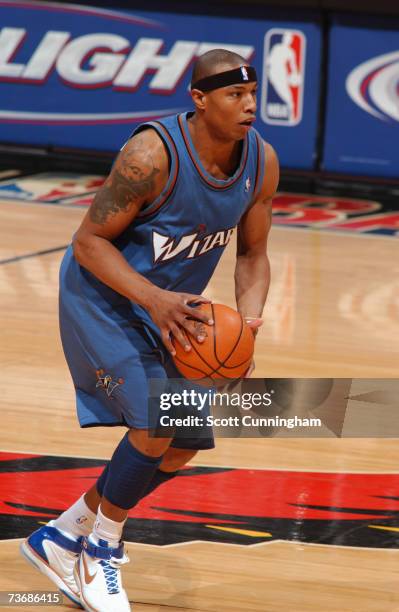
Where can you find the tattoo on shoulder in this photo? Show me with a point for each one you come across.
(131, 181)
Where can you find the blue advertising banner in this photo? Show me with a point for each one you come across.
(362, 129)
(83, 77)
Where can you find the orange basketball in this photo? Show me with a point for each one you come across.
(226, 351)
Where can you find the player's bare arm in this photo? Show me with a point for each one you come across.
(137, 178)
(252, 273)
(134, 180)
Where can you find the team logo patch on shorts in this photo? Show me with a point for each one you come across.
(106, 382)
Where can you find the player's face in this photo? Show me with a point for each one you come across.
(230, 111)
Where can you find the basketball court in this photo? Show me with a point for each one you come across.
(264, 525)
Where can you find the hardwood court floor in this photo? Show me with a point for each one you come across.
(332, 312)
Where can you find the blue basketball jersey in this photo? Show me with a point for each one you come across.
(177, 240)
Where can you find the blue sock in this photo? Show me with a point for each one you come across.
(129, 474)
(159, 478)
(100, 484)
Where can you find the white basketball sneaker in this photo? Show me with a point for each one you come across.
(55, 555)
(98, 576)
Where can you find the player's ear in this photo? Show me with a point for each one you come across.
(199, 98)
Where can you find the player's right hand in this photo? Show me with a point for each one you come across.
(171, 312)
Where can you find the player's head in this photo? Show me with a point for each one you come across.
(287, 39)
(223, 88)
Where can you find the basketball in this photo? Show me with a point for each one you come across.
(227, 350)
(294, 79)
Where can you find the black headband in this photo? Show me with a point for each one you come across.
(243, 74)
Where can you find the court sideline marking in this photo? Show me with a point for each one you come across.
(34, 254)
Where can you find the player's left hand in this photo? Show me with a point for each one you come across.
(254, 323)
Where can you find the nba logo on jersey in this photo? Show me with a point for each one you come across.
(283, 77)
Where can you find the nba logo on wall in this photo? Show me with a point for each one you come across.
(283, 77)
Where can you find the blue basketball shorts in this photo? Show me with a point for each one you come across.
(111, 357)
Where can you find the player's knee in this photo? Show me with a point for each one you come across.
(176, 458)
(153, 447)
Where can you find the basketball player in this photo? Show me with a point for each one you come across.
(144, 252)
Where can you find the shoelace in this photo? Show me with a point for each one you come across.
(111, 577)
(111, 569)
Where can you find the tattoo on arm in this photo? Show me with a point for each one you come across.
(131, 181)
